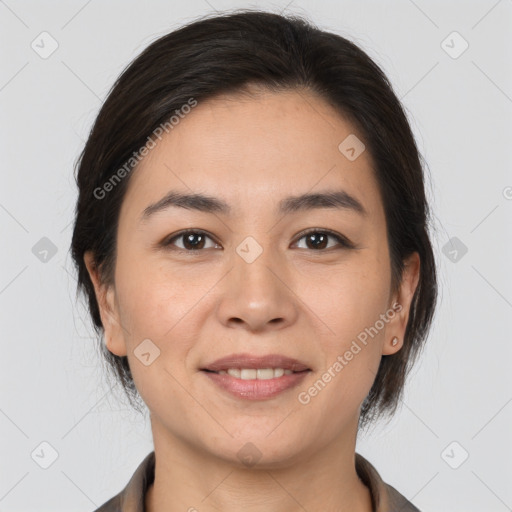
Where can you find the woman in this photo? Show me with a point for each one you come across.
(251, 234)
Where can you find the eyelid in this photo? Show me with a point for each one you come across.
(342, 240)
(168, 241)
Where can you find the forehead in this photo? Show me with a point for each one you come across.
(260, 147)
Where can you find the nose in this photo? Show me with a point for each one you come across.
(258, 296)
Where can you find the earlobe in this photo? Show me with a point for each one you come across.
(398, 325)
(392, 346)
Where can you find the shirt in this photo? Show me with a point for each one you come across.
(385, 498)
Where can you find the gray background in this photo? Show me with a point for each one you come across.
(53, 387)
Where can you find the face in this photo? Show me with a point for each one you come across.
(265, 275)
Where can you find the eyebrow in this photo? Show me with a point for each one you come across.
(339, 199)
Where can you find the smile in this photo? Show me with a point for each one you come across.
(255, 384)
(255, 373)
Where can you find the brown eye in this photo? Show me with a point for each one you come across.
(197, 240)
(191, 241)
(319, 240)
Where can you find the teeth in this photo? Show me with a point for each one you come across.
(246, 374)
(265, 373)
(252, 373)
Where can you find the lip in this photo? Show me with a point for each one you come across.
(255, 362)
(254, 389)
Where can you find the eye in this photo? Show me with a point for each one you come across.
(193, 240)
(317, 239)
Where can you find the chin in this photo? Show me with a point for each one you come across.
(260, 448)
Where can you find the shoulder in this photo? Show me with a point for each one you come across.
(112, 505)
(385, 498)
(132, 497)
(398, 502)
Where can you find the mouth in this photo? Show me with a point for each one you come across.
(249, 362)
(255, 377)
(255, 373)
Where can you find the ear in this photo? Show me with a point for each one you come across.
(401, 304)
(105, 296)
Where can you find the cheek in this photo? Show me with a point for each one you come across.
(151, 299)
(345, 379)
(350, 306)
(348, 301)
(157, 313)
(165, 306)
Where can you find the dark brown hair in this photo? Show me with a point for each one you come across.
(225, 54)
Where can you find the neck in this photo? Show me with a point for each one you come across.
(188, 479)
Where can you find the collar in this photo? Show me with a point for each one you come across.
(385, 498)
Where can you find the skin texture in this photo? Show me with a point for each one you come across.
(294, 299)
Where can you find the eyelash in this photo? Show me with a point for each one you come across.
(342, 241)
